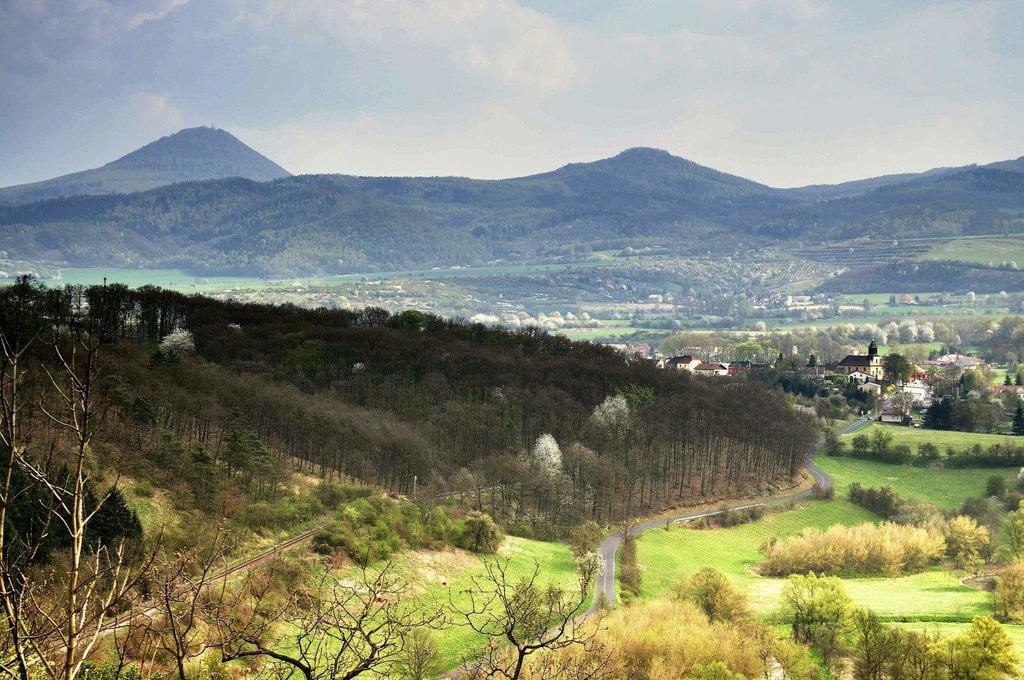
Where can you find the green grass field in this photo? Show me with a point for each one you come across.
(915, 436)
(996, 250)
(945, 488)
(667, 556)
(432, 575)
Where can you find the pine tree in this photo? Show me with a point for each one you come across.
(1018, 419)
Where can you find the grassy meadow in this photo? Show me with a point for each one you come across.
(915, 436)
(945, 488)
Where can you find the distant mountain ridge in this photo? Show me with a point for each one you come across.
(193, 154)
(332, 224)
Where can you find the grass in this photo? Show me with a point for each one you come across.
(667, 556)
(432, 575)
(915, 436)
(945, 488)
(994, 250)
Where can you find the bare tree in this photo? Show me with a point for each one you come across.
(81, 596)
(333, 629)
(518, 618)
(182, 586)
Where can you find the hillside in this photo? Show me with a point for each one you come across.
(333, 224)
(190, 155)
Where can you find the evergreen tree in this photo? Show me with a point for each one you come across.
(1018, 420)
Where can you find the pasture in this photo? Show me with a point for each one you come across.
(945, 488)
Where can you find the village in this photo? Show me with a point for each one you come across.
(891, 387)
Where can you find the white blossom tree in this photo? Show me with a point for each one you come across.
(177, 343)
(546, 455)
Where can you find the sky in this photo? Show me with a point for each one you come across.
(786, 92)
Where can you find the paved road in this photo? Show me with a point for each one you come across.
(610, 546)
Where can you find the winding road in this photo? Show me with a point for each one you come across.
(610, 546)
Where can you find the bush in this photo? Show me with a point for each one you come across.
(883, 502)
(888, 549)
(712, 592)
(1008, 598)
(995, 486)
(480, 534)
(143, 489)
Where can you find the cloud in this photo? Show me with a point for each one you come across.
(495, 39)
(787, 92)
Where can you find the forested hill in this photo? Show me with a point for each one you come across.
(189, 155)
(339, 224)
(386, 398)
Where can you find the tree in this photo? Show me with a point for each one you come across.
(1018, 419)
(1014, 530)
(710, 590)
(817, 608)
(334, 628)
(1008, 597)
(897, 368)
(182, 587)
(983, 652)
(481, 534)
(420, 659)
(965, 541)
(521, 617)
(872, 645)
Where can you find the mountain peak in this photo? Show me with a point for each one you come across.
(189, 155)
(210, 152)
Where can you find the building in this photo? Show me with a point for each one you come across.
(711, 369)
(891, 414)
(739, 367)
(686, 362)
(920, 392)
(860, 377)
(870, 363)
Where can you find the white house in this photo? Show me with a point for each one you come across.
(920, 392)
(860, 376)
(872, 387)
(686, 362)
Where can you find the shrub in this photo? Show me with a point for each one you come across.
(480, 534)
(995, 486)
(864, 550)
(883, 502)
(712, 592)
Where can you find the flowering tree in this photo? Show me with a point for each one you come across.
(177, 343)
(546, 455)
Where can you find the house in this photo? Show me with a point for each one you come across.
(812, 373)
(870, 363)
(686, 362)
(739, 367)
(870, 387)
(860, 376)
(890, 414)
(919, 391)
(959, 360)
(1009, 389)
(711, 369)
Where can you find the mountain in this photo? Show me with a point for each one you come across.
(332, 224)
(190, 155)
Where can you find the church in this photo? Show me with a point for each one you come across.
(870, 363)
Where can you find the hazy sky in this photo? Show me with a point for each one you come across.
(787, 92)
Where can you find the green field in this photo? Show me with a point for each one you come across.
(995, 250)
(945, 488)
(915, 436)
(667, 556)
(432, 575)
